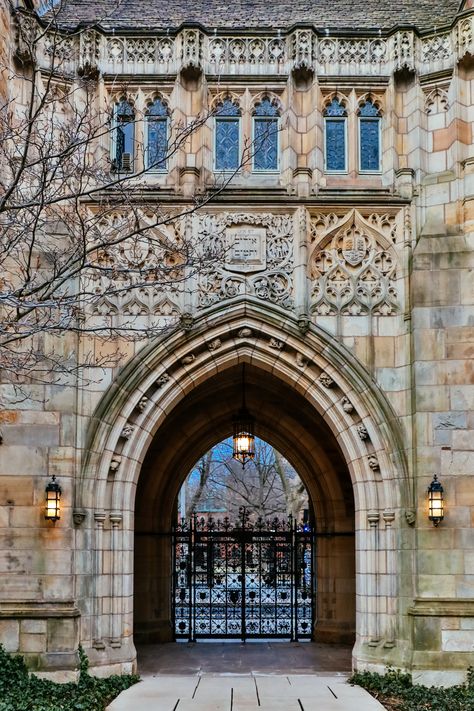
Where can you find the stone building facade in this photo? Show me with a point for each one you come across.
(353, 308)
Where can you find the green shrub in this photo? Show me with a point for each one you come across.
(21, 691)
(397, 690)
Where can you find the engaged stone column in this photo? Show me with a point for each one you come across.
(390, 587)
(116, 585)
(99, 518)
(373, 518)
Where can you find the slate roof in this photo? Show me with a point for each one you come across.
(160, 15)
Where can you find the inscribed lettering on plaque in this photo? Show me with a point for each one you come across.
(246, 249)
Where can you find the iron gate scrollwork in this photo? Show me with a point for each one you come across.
(243, 581)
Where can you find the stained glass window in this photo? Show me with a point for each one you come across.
(227, 137)
(265, 135)
(369, 137)
(335, 136)
(156, 135)
(124, 135)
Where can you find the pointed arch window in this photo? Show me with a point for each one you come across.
(156, 136)
(227, 136)
(123, 136)
(335, 137)
(369, 137)
(265, 135)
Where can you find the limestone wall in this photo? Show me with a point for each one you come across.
(380, 264)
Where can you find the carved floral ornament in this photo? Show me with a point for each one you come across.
(122, 274)
(353, 266)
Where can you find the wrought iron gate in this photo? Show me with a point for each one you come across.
(243, 581)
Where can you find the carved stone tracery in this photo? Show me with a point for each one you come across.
(352, 265)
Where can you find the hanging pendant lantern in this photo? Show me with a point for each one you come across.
(243, 431)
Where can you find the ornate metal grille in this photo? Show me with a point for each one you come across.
(243, 581)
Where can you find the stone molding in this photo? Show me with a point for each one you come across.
(32, 609)
(442, 607)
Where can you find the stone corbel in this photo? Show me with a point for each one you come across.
(78, 516)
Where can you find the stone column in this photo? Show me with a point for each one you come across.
(373, 518)
(98, 642)
(390, 587)
(116, 584)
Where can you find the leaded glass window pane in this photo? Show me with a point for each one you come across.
(227, 143)
(227, 136)
(335, 130)
(124, 131)
(266, 144)
(157, 143)
(369, 144)
(157, 135)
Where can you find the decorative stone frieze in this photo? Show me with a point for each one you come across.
(261, 53)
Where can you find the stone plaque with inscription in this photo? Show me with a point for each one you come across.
(246, 249)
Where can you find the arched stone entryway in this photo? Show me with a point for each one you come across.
(312, 400)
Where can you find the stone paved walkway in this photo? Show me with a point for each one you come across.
(249, 692)
(244, 677)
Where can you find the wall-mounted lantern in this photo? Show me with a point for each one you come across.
(243, 438)
(435, 501)
(53, 498)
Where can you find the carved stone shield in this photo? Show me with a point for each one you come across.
(353, 247)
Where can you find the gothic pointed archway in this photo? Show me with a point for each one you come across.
(313, 401)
